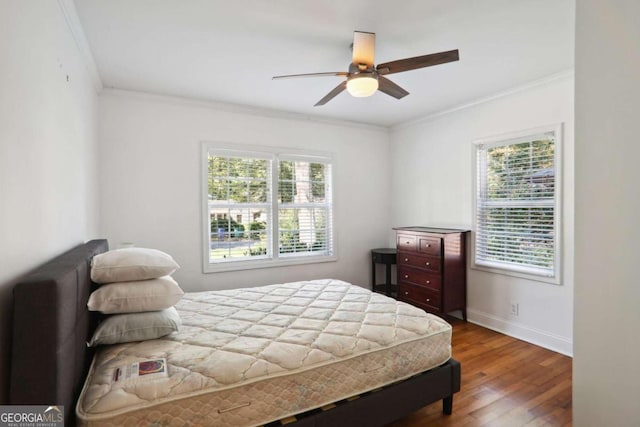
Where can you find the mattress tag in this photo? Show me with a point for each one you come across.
(144, 369)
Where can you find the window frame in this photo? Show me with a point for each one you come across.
(508, 139)
(275, 154)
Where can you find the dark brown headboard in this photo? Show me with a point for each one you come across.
(51, 325)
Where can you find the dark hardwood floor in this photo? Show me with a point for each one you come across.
(505, 382)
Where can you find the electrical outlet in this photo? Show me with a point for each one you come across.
(515, 309)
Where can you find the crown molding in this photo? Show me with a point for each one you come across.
(68, 9)
(235, 108)
(528, 86)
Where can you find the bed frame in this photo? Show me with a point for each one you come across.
(50, 358)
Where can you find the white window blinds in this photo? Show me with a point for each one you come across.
(266, 208)
(516, 204)
(304, 206)
(239, 206)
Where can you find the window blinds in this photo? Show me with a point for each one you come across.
(304, 207)
(516, 205)
(239, 205)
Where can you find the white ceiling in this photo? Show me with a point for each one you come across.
(228, 50)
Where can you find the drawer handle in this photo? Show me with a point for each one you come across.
(406, 293)
(427, 263)
(428, 300)
(406, 276)
(428, 282)
(406, 260)
(407, 242)
(428, 245)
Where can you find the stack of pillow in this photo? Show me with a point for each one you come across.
(136, 293)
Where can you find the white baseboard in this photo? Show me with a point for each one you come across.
(544, 339)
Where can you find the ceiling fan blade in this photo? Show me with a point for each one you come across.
(336, 73)
(417, 62)
(336, 90)
(390, 88)
(364, 45)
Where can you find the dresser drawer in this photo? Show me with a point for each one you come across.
(419, 277)
(429, 245)
(422, 297)
(406, 242)
(419, 261)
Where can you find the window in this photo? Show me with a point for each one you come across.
(266, 208)
(518, 203)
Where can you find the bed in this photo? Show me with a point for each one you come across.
(52, 325)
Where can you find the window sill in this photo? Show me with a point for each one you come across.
(552, 280)
(266, 263)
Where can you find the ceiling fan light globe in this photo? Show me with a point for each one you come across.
(362, 86)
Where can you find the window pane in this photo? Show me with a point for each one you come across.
(218, 189)
(285, 182)
(302, 182)
(217, 166)
(258, 168)
(238, 233)
(238, 180)
(238, 191)
(285, 191)
(258, 192)
(522, 236)
(237, 166)
(303, 230)
(521, 171)
(318, 181)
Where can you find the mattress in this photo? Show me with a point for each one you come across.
(250, 356)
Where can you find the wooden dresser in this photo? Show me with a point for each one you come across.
(432, 268)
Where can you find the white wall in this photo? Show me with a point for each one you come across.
(432, 184)
(606, 369)
(48, 179)
(150, 151)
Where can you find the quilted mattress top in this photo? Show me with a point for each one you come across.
(236, 337)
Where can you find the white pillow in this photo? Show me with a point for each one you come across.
(120, 328)
(130, 264)
(133, 297)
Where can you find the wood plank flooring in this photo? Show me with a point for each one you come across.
(505, 382)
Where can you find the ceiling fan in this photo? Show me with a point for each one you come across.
(364, 78)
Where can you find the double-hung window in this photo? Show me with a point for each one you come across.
(517, 221)
(266, 207)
